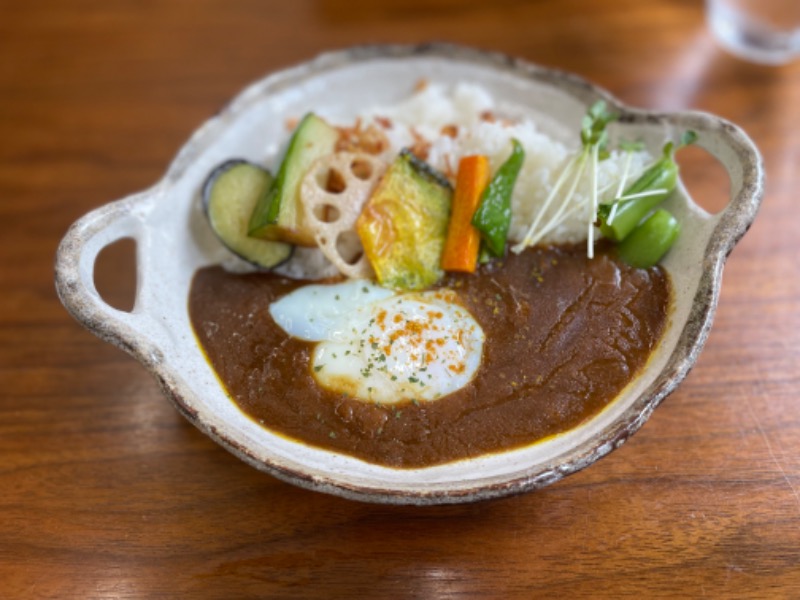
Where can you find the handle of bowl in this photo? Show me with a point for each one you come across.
(737, 153)
(75, 263)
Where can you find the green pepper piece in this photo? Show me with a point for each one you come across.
(649, 242)
(493, 216)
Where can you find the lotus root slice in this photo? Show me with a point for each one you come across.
(332, 194)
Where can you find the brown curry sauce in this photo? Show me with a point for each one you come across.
(564, 335)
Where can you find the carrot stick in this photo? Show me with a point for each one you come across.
(463, 240)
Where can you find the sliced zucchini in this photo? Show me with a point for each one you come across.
(279, 215)
(229, 195)
(403, 225)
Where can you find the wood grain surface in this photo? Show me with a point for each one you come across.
(107, 492)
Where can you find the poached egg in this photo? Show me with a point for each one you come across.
(377, 345)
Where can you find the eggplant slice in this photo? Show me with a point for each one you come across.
(230, 194)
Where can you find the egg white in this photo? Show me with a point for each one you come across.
(382, 346)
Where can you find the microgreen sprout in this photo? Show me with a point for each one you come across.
(594, 141)
(629, 148)
(619, 216)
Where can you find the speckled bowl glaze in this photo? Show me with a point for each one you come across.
(173, 240)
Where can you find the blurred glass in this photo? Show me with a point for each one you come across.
(762, 31)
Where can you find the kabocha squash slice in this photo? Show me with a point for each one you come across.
(404, 224)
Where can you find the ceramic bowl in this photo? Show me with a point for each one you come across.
(173, 240)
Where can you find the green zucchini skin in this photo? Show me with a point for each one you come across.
(278, 214)
(230, 194)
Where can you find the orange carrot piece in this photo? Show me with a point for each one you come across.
(463, 240)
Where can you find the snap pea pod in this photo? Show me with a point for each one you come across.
(619, 218)
(651, 240)
(648, 191)
(493, 215)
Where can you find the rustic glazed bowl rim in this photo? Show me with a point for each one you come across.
(85, 239)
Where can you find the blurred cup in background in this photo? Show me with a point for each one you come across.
(762, 31)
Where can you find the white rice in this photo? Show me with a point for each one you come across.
(434, 107)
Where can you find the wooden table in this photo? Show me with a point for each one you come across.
(107, 492)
